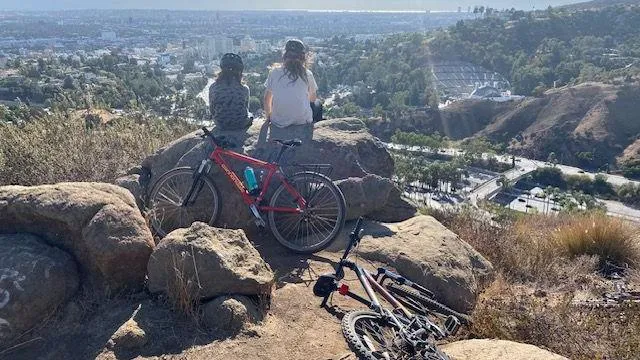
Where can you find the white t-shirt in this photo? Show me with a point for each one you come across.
(291, 104)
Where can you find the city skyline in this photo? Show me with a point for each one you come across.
(370, 5)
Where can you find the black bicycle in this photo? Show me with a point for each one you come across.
(408, 331)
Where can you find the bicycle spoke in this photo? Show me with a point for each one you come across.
(166, 212)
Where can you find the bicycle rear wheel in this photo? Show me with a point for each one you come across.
(165, 208)
(371, 337)
(318, 225)
(424, 305)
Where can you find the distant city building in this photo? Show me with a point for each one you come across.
(263, 47)
(163, 59)
(109, 36)
(3, 61)
(247, 44)
(214, 47)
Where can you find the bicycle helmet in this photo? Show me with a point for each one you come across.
(232, 62)
(295, 46)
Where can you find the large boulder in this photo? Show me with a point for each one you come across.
(35, 279)
(99, 224)
(205, 262)
(346, 144)
(484, 349)
(365, 195)
(431, 255)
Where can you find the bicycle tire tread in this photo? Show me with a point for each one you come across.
(352, 338)
(358, 348)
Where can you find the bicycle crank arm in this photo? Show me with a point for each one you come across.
(259, 220)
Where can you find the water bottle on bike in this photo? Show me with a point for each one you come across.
(250, 179)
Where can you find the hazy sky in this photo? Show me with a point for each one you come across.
(276, 4)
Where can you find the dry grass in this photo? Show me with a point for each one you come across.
(183, 288)
(544, 264)
(613, 240)
(514, 312)
(59, 148)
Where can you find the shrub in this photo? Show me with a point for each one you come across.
(612, 240)
(58, 148)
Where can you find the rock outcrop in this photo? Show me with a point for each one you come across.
(230, 313)
(99, 224)
(428, 253)
(207, 262)
(481, 349)
(346, 144)
(35, 279)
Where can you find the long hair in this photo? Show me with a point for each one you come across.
(295, 65)
(229, 76)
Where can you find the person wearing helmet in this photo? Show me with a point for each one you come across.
(228, 97)
(290, 88)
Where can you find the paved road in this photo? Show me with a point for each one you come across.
(525, 166)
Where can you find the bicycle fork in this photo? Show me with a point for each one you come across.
(197, 185)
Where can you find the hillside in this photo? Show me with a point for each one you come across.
(589, 125)
(596, 4)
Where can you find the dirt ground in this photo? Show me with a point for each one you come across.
(295, 326)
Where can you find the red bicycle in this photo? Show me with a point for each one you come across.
(305, 212)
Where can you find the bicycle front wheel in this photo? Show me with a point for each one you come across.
(314, 228)
(372, 337)
(166, 209)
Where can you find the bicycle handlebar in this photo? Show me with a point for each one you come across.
(218, 141)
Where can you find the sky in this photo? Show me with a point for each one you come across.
(275, 4)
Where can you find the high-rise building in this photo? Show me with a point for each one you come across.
(216, 46)
(247, 44)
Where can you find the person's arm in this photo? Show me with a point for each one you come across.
(211, 100)
(313, 95)
(268, 98)
(313, 87)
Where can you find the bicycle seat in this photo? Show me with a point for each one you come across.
(290, 142)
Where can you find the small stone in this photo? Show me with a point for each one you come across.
(230, 313)
(129, 336)
(540, 293)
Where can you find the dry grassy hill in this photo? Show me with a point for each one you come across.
(589, 125)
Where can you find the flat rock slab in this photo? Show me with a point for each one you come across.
(99, 224)
(485, 349)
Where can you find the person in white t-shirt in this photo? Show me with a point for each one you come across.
(290, 89)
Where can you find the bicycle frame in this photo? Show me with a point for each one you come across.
(371, 287)
(272, 169)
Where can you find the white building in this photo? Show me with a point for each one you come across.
(163, 59)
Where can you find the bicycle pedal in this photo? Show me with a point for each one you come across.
(452, 325)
